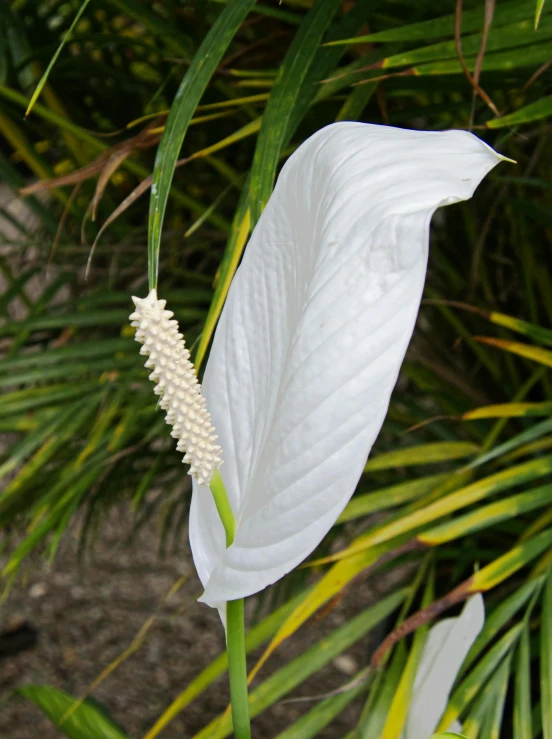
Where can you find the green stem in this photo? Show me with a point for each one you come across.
(235, 631)
(237, 668)
(223, 507)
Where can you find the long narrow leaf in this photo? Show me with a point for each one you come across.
(187, 98)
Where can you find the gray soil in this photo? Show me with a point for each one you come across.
(86, 616)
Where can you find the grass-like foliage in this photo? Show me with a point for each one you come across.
(200, 103)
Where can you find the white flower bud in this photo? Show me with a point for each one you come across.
(177, 386)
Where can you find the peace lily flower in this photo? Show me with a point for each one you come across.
(312, 336)
(445, 650)
(308, 346)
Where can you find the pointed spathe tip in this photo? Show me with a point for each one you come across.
(502, 158)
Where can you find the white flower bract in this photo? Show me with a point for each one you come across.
(177, 386)
(312, 336)
(445, 650)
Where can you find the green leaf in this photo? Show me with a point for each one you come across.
(493, 723)
(505, 566)
(440, 451)
(500, 61)
(310, 725)
(385, 498)
(534, 432)
(546, 659)
(538, 12)
(538, 334)
(499, 617)
(534, 112)
(196, 79)
(523, 722)
(80, 351)
(33, 398)
(513, 36)
(87, 722)
(281, 103)
(53, 60)
(54, 437)
(472, 20)
(381, 695)
(509, 410)
(487, 516)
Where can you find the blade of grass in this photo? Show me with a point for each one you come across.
(509, 410)
(311, 724)
(389, 497)
(523, 723)
(472, 20)
(53, 60)
(535, 353)
(499, 617)
(440, 451)
(187, 98)
(280, 106)
(533, 112)
(487, 516)
(546, 659)
(87, 722)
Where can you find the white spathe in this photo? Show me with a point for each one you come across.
(445, 650)
(312, 337)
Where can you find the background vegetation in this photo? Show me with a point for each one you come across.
(460, 477)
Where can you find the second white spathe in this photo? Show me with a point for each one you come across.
(445, 650)
(312, 336)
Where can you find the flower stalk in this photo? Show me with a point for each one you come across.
(187, 413)
(237, 668)
(235, 627)
(223, 507)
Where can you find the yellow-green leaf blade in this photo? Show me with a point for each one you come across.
(535, 353)
(281, 103)
(53, 60)
(546, 659)
(533, 112)
(86, 722)
(439, 451)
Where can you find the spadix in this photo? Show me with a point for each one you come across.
(312, 337)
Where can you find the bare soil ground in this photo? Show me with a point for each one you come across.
(86, 616)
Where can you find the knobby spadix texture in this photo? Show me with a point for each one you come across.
(312, 336)
(445, 650)
(177, 385)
